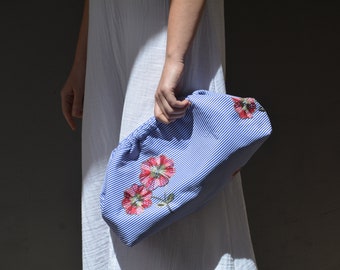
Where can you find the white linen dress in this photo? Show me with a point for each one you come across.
(126, 49)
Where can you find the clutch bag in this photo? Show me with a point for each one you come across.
(161, 173)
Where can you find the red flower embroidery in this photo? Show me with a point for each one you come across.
(136, 199)
(245, 107)
(156, 171)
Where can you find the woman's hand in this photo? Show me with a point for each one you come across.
(72, 95)
(183, 20)
(167, 107)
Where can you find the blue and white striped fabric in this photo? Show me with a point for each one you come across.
(161, 173)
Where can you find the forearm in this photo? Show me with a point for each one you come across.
(81, 48)
(184, 16)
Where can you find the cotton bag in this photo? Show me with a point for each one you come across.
(161, 173)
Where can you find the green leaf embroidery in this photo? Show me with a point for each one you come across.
(161, 204)
(170, 198)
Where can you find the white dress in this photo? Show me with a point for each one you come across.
(126, 48)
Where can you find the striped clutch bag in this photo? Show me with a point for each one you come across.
(161, 173)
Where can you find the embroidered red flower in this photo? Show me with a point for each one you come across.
(245, 107)
(156, 171)
(136, 199)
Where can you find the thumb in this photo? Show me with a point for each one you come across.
(77, 106)
(159, 115)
